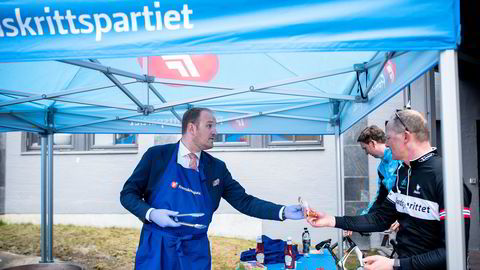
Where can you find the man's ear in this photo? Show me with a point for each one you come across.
(408, 136)
(191, 128)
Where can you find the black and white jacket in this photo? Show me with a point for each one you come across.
(417, 202)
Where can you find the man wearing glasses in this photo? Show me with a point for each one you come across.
(416, 201)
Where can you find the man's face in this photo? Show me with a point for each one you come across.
(371, 149)
(205, 130)
(396, 142)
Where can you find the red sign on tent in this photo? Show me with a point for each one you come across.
(200, 68)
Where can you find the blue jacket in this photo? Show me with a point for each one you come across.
(151, 167)
(387, 173)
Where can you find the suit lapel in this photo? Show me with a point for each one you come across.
(207, 165)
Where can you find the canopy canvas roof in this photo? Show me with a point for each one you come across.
(269, 67)
(263, 93)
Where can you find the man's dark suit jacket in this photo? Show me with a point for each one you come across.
(151, 167)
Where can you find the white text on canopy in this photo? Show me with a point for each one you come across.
(54, 22)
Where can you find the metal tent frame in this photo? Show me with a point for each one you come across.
(450, 118)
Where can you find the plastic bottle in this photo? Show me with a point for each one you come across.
(289, 255)
(306, 241)
(260, 251)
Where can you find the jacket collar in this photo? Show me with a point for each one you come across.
(417, 162)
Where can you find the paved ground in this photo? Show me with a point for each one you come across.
(8, 259)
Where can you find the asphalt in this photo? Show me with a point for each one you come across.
(8, 259)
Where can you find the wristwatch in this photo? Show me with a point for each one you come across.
(396, 264)
(283, 215)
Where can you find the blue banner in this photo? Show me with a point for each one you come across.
(41, 30)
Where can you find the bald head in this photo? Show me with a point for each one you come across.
(411, 121)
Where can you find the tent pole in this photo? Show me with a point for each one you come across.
(43, 199)
(338, 155)
(50, 198)
(452, 160)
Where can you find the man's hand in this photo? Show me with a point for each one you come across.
(320, 219)
(294, 212)
(347, 233)
(378, 262)
(161, 217)
(395, 226)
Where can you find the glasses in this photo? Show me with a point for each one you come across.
(401, 121)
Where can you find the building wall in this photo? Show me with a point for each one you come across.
(469, 115)
(87, 186)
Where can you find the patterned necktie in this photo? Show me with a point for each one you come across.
(193, 161)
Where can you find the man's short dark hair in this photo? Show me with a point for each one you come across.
(191, 116)
(372, 133)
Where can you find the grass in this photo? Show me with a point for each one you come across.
(103, 248)
(109, 248)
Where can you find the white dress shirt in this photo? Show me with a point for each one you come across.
(183, 159)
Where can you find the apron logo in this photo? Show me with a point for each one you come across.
(175, 185)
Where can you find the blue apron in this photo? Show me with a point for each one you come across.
(183, 190)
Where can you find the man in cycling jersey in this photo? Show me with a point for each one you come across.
(416, 201)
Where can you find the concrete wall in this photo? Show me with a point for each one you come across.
(469, 115)
(87, 186)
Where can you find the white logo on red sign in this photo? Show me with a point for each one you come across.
(201, 68)
(239, 124)
(391, 71)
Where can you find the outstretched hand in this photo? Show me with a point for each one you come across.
(320, 219)
(161, 217)
(378, 262)
(294, 212)
(394, 227)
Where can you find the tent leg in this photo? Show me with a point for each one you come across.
(50, 199)
(338, 155)
(452, 160)
(43, 195)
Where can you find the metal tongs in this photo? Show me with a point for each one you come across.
(196, 226)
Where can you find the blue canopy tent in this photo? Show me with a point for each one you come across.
(275, 67)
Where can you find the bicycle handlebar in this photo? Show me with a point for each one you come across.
(341, 261)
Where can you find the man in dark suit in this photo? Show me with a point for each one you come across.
(182, 178)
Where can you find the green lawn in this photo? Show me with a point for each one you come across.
(103, 248)
(107, 248)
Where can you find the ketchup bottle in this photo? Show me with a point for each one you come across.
(260, 251)
(289, 255)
